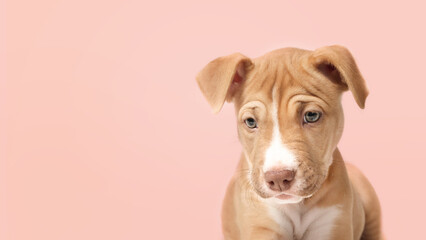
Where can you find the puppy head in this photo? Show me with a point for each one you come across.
(289, 113)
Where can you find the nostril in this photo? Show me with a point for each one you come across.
(279, 180)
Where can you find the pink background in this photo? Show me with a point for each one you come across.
(105, 135)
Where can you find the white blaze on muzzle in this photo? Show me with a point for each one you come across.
(278, 156)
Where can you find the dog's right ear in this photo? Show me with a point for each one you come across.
(220, 79)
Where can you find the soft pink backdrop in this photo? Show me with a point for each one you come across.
(105, 135)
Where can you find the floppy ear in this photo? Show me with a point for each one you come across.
(337, 63)
(220, 79)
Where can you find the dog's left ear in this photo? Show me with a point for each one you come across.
(221, 78)
(337, 63)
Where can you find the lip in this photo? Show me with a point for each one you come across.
(284, 196)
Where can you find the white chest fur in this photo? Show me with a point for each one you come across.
(302, 224)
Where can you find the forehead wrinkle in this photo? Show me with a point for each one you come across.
(312, 89)
(260, 74)
(261, 81)
(297, 69)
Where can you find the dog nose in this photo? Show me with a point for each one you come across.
(279, 180)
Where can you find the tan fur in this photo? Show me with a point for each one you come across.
(302, 81)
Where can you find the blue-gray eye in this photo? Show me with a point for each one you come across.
(251, 123)
(311, 117)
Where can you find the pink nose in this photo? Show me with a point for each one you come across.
(279, 180)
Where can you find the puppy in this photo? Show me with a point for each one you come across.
(291, 182)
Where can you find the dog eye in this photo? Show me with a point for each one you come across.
(311, 117)
(251, 123)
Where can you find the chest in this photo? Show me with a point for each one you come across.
(301, 224)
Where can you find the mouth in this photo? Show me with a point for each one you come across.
(284, 198)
